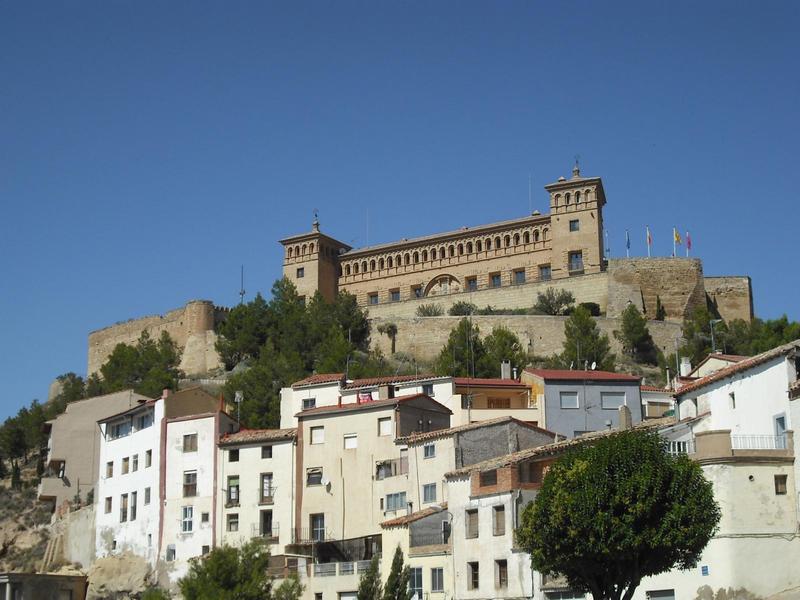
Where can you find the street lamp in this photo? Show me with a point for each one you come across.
(713, 322)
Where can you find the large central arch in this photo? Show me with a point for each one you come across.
(442, 285)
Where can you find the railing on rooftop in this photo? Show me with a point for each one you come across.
(758, 442)
(428, 538)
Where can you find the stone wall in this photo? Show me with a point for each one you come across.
(544, 335)
(733, 296)
(191, 327)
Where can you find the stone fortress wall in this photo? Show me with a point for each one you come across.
(733, 296)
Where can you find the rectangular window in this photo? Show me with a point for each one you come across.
(373, 298)
(394, 295)
(569, 399)
(109, 469)
(314, 476)
(385, 426)
(576, 262)
(488, 478)
(415, 582)
(519, 276)
(494, 280)
(190, 442)
(732, 396)
(429, 493)
(499, 520)
(233, 522)
(120, 429)
(499, 402)
(144, 421)
(147, 495)
(473, 580)
(170, 553)
(126, 465)
(233, 455)
(266, 451)
(501, 574)
(574, 225)
(318, 435)
(309, 403)
(108, 504)
(187, 519)
(205, 550)
(396, 501)
(317, 527)
(134, 496)
(265, 525)
(301, 272)
(429, 450)
(189, 484)
(232, 498)
(437, 579)
(545, 274)
(148, 458)
(612, 400)
(350, 441)
(471, 519)
(416, 291)
(123, 508)
(135, 462)
(204, 517)
(780, 485)
(472, 284)
(427, 389)
(267, 488)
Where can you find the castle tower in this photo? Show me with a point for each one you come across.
(576, 222)
(311, 262)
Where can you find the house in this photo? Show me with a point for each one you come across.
(480, 399)
(656, 401)
(713, 363)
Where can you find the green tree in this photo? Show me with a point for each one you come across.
(635, 337)
(3, 471)
(229, 573)
(289, 589)
(13, 439)
(502, 344)
(243, 332)
(148, 367)
(584, 344)
(16, 476)
(554, 302)
(612, 513)
(155, 594)
(463, 353)
(462, 309)
(396, 587)
(390, 331)
(430, 310)
(661, 312)
(369, 584)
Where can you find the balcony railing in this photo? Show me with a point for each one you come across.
(391, 468)
(758, 442)
(307, 535)
(268, 531)
(332, 569)
(428, 538)
(325, 570)
(676, 448)
(267, 496)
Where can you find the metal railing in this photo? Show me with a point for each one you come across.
(346, 568)
(758, 442)
(306, 535)
(332, 569)
(676, 448)
(428, 538)
(268, 531)
(391, 468)
(325, 570)
(267, 496)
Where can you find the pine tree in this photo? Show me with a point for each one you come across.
(584, 344)
(463, 352)
(369, 585)
(397, 583)
(3, 471)
(16, 476)
(635, 337)
(502, 344)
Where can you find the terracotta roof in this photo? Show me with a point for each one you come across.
(653, 388)
(733, 358)
(415, 516)
(488, 382)
(354, 406)
(416, 438)
(251, 436)
(319, 378)
(554, 448)
(389, 379)
(574, 375)
(739, 367)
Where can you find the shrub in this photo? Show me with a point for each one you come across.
(430, 310)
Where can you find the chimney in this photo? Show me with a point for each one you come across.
(686, 366)
(385, 392)
(505, 370)
(164, 393)
(625, 421)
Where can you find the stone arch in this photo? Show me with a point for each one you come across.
(451, 250)
(469, 247)
(566, 199)
(364, 266)
(389, 262)
(311, 248)
(526, 238)
(497, 244)
(557, 199)
(290, 252)
(372, 265)
(535, 235)
(478, 246)
(355, 268)
(433, 253)
(516, 239)
(460, 249)
(545, 233)
(442, 285)
(304, 248)
(407, 259)
(380, 264)
(577, 197)
(489, 244)
(507, 240)
(424, 256)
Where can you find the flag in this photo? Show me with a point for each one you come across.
(649, 237)
(676, 235)
(627, 240)
(688, 241)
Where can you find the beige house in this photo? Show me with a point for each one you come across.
(484, 399)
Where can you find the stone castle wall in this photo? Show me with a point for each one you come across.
(733, 296)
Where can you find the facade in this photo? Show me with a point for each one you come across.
(713, 363)
(483, 399)
(38, 586)
(656, 402)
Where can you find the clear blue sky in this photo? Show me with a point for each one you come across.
(147, 149)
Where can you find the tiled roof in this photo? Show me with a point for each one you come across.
(731, 358)
(415, 516)
(354, 406)
(252, 436)
(487, 382)
(390, 379)
(738, 367)
(653, 388)
(319, 378)
(416, 438)
(554, 448)
(574, 375)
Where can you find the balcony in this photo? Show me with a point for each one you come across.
(391, 468)
(306, 535)
(341, 569)
(268, 495)
(266, 532)
(720, 445)
(758, 442)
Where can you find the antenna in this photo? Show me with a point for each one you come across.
(241, 287)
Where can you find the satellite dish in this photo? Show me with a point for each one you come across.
(594, 365)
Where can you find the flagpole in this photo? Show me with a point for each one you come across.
(674, 246)
(688, 244)
(627, 244)
(647, 227)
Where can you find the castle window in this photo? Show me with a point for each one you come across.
(297, 251)
(497, 243)
(416, 257)
(416, 291)
(407, 259)
(304, 248)
(355, 268)
(576, 262)
(545, 233)
(372, 265)
(557, 199)
(472, 284)
(380, 264)
(389, 262)
(526, 238)
(347, 269)
(399, 260)
(519, 276)
(536, 235)
(290, 252)
(577, 197)
(508, 241)
(460, 249)
(424, 256)
(574, 225)
(545, 274)
(394, 295)
(373, 298)
(364, 267)
(516, 239)
(311, 248)
(301, 272)
(488, 244)
(566, 198)
(469, 247)
(478, 246)
(433, 254)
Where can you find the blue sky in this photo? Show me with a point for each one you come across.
(148, 149)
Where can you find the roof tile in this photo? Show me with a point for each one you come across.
(252, 436)
(416, 438)
(574, 375)
(415, 516)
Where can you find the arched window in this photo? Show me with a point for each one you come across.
(355, 268)
(311, 248)
(416, 257)
(340, 270)
(577, 197)
(452, 251)
(407, 259)
(424, 256)
(460, 249)
(516, 239)
(566, 198)
(399, 260)
(526, 238)
(545, 231)
(469, 247)
(489, 244)
(558, 199)
(497, 244)
(380, 264)
(389, 262)
(587, 195)
(433, 254)
(290, 252)
(372, 265)
(304, 248)
(478, 246)
(364, 267)
(508, 241)
(535, 235)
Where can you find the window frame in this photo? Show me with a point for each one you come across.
(437, 577)
(474, 577)
(519, 276)
(352, 438)
(233, 455)
(495, 280)
(429, 450)
(313, 471)
(317, 432)
(499, 519)
(781, 484)
(561, 396)
(574, 225)
(233, 489)
(387, 421)
(470, 515)
(266, 449)
(604, 395)
(187, 519)
(189, 442)
(189, 485)
(427, 498)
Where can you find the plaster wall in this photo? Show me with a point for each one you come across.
(78, 529)
(292, 400)
(423, 470)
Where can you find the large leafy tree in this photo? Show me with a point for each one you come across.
(229, 573)
(584, 344)
(502, 344)
(369, 584)
(635, 337)
(612, 513)
(396, 587)
(463, 353)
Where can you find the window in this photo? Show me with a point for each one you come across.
(574, 225)
(471, 519)
(189, 484)
(437, 579)
(472, 284)
(301, 272)
(233, 455)
(488, 478)
(473, 581)
(657, 594)
(499, 520)
(385, 426)
(265, 525)
(569, 399)
(545, 274)
(266, 451)
(145, 420)
(780, 485)
(494, 280)
(499, 402)
(394, 295)
(134, 496)
(147, 495)
(205, 550)
(314, 476)
(126, 465)
(612, 400)
(501, 574)
(373, 298)
(309, 403)
(317, 527)
(135, 463)
(123, 508)
(415, 582)
(519, 276)
(429, 493)
(416, 291)
(732, 396)
(267, 488)
(429, 450)
(232, 498)
(170, 553)
(187, 519)
(233, 522)
(350, 441)
(576, 261)
(109, 469)
(318, 435)
(190, 442)
(120, 429)
(148, 458)
(204, 517)
(396, 501)
(108, 504)
(427, 389)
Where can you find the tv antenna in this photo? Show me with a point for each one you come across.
(241, 287)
